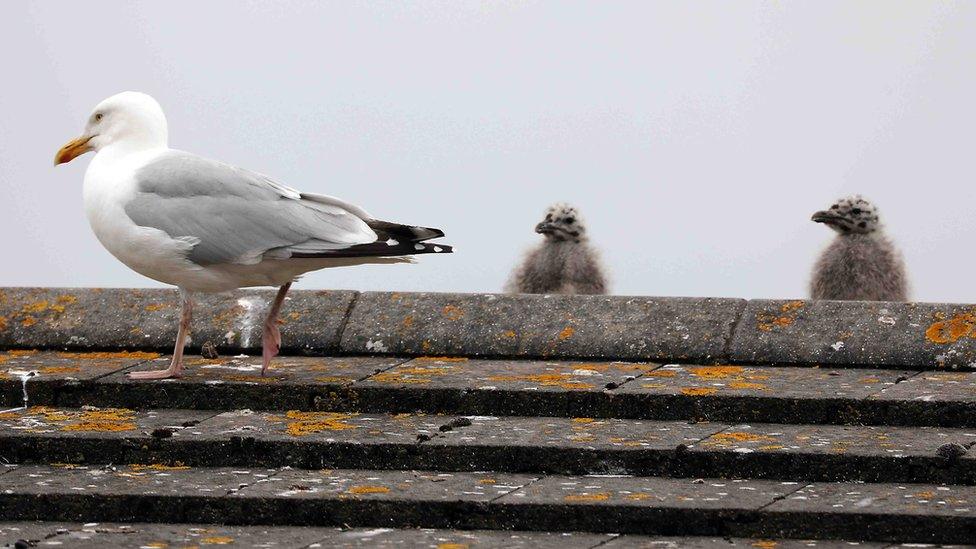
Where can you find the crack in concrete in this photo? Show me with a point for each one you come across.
(345, 320)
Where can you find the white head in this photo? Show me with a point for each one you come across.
(850, 215)
(130, 119)
(562, 222)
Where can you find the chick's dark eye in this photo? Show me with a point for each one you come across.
(570, 220)
(548, 217)
(856, 211)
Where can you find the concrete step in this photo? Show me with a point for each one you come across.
(149, 535)
(809, 395)
(489, 500)
(312, 440)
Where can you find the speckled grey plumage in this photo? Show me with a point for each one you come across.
(564, 263)
(861, 263)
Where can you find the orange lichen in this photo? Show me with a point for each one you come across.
(952, 330)
(217, 540)
(661, 373)
(153, 307)
(716, 372)
(453, 312)
(28, 321)
(698, 391)
(768, 321)
(747, 385)
(307, 423)
(453, 546)
(3, 323)
(245, 378)
(333, 379)
(34, 308)
(562, 380)
(765, 544)
(106, 420)
(135, 355)
(368, 490)
(509, 334)
(408, 321)
(639, 496)
(566, 333)
(177, 466)
(583, 420)
(487, 481)
(18, 353)
(596, 496)
(440, 359)
(67, 299)
(60, 369)
(737, 436)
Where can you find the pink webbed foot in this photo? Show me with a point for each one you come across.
(270, 345)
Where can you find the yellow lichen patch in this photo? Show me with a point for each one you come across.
(583, 420)
(698, 391)
(509, 334)
(307, 423)
(3, 323)
(217, 540)
(453, 546)
(661, 373)
(59, 369)
(639, 496)
(765, 544)
(153, 307)
(747, 385)
(368, 490)
(67, 299)
(103, 421)
(452, 312)
(950, 331)
(135, 355)
(440, 359)
(487, 481)
(582, 437)
(415, 374)
(156, 545)
(652, 385)
(332, 379)
(177, 466)
(768, 321)
(925, 495)
(566, 333)
(34, 308)
(28, 321)
(562, 380)
(408, 321)
(716, 372)
(100, 426)
(596, 496)
(770, 447)
(737, 436)
(19, 353)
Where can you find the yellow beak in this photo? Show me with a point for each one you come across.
(72, 149)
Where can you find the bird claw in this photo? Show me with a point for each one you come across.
(155, 374)
(271, 344)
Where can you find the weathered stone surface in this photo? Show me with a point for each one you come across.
(159, 536)
(46, 422)
(537, 326)
(931, 398)
(890, 512)
(758, 393)
(914, 335)
(73, 318)
(102, 535)
(641, 542)
(228, 383)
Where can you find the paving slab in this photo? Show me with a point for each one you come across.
(157, 536)
(502, 387)
(145, 319)
(641, 542)
(48, 373)
(767, 393)
(856, 333)
(892, 512)
(236, 382)
(541, 326)
(934, 398)
(837, 453)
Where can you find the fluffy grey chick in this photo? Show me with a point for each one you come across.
(861, 263)
(564, 263)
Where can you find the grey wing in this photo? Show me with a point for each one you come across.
(236, 216)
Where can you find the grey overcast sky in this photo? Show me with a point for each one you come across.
(696, 137)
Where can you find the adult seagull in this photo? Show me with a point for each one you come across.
(205, 226)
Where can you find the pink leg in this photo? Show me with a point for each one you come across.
(271, 337)
(176, 366)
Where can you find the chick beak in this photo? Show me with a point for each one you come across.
(824, 216)
(73, 149)
(545, 228)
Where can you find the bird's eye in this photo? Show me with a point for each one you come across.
(548, 217)
(569, 220)
(834, 207)
(856, 211)
(98, 117)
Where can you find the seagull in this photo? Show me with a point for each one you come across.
(205, 226)
(564, 263)
(861, 263)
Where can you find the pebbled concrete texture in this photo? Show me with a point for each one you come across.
(145, 319)
(924, 335)
(589, 327)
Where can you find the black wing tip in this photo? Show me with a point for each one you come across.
(398, 231)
